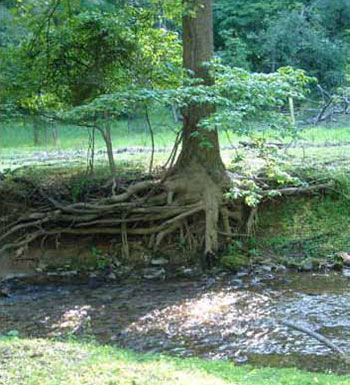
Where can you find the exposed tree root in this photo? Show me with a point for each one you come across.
(172, 208)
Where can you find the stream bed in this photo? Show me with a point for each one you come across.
(229, 317)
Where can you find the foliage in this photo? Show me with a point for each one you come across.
(99, 260)
(309, 48)
(242, 21)
(70, 54)
(246, 97)
(264, 35)
(307, 230)
(274, 169)
(241, 97)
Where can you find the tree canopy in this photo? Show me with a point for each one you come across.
(265, 35)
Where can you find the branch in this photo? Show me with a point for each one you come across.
(148, 120)
(303, 189)
(318, 337)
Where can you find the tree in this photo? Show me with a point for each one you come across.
(264, 35)
(194, 189)
(196, 182)
(73, 52)
(199, 170)
(238, 25)
(308, 47)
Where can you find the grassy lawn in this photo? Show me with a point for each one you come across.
(18, 135)
(46, 362)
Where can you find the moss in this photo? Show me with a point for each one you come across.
(234, 262)
(306, 230)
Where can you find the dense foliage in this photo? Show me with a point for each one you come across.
(265, 35)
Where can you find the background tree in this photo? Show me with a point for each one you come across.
(265, 35)
(293, 39)
(71, 53)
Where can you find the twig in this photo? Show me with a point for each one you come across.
(318, 337)
(303, 189)
(149, 125)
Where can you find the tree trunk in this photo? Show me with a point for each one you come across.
(175, 113)
(108, 140)
(149, 125)
(199, 173)
(36, 130)
(45, 134)
(129, 123)
(178, 202)
(198, 49)
(54, 132)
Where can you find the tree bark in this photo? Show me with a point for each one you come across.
(189, 196)
(149, 125)
(36, 130)
(54, 131)
(199, 173)
(175, 113)
(107, 136)
(198, 49)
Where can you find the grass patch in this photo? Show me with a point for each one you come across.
(18, 135)
(307, 228)
(47, 362)
(324, 134)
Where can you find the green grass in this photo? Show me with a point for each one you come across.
(310, 229)
(18, 135)
(322, 134)
(48, 362)
(16, 144)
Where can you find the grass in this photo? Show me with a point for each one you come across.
(18, 135)
(49, 362)
(314, 228)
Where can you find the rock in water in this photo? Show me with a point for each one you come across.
(4, 293)
(346, 273)
(159, 261)
(345, 257)
(95, 282)
(154, 273)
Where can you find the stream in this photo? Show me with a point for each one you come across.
(231, 317)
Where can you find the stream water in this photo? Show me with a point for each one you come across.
(222, 317)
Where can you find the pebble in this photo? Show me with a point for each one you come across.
(112, 276)
(154, 273)
(159, 261)
(346, 273)
(238, 283)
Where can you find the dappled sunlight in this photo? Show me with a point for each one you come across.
(174, 191)
(73, 320)
(212, 319)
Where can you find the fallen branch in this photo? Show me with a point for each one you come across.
(318, 337)
(302, 189)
